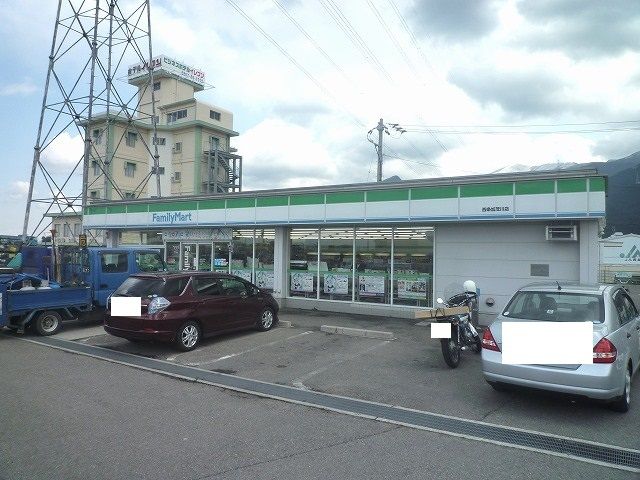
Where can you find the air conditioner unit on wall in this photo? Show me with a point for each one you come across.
(562, 232)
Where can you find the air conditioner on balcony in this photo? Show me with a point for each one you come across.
(561, 232)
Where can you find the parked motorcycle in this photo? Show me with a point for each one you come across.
(464, 336)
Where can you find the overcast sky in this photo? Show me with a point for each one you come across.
(428, 65)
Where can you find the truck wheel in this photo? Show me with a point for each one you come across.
(48, 323)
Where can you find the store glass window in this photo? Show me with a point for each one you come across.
(336, 263)
(373, 264)
(221, 257)
(149, 262)
(303, 265)
(242, 254)
(172, 257)
(413, 266)
(204, 257)
(263, 276)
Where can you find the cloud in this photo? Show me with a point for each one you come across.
(582, 28)
(22, 88)
(18, 189)
(63, 153)
(519, 93)
(456, 20)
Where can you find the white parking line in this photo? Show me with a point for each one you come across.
(299, 382)
(208, 362)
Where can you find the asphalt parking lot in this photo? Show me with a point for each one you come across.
(407, 371)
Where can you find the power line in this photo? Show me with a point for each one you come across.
(393, 38)
(521, 132)
(526, 125)
(343, 23)
(313, 42)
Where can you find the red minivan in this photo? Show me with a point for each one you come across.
(184, 307)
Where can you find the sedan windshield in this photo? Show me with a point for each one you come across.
(556, 307)
(148, 287)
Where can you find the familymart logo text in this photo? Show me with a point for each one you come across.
(171, 217)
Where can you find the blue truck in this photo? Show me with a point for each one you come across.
(54, 285)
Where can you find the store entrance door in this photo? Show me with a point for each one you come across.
(189, 256)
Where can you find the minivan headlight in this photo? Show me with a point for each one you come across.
(157, 305)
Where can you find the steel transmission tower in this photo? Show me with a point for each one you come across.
(85, 94)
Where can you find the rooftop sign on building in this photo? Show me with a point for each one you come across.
(164, 64)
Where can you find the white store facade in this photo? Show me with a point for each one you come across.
(381, 248)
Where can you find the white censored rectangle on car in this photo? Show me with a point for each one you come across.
(126, 306)
(547, 343)
(441, 330)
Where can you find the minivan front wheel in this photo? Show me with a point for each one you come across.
(266, 320)
(188, 336)
(623, 403)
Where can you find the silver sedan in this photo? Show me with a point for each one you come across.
(616, 342)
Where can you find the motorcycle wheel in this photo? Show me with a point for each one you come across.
(450, 352)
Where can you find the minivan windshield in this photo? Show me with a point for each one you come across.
(148, 287)
(556, 307)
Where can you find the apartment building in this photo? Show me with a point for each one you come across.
(193, 140)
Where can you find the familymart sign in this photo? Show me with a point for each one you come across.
(172, 218)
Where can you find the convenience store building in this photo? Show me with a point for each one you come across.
(379, 248)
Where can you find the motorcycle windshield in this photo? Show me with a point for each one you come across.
(451, 290)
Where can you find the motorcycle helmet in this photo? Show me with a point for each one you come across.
(470, 286)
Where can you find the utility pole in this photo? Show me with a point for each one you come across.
(380, 129)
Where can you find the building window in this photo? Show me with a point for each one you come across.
(77, 229)
(129, 169)
(96, 168)
(155, 120)
(159, 141)
(156, 86)
(177, 148)
(131, 139)
(215, 143)
(177, 115)
(214, 115)
(56, 227)
(94, 194)
(67, 230)
(129, 195)
(303, 265)
(177, 176)
(97, 136)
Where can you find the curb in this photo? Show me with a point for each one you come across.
(357, 332)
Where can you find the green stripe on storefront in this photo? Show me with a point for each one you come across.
(137, 208)
(433, 193)
(345, 197)
(95, 210)
(116, 209)
(486, 190)
(596, 185)
(210, 204)
(169, 206)
(388, 195)
(309, 199)
(535, 187)
(280, 201)
(241, 203)
(572, 185)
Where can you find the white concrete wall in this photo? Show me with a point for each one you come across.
(589, 251)
(498, 258)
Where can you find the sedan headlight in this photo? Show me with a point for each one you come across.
(157, 305)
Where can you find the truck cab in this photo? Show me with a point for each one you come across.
(109, 267)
